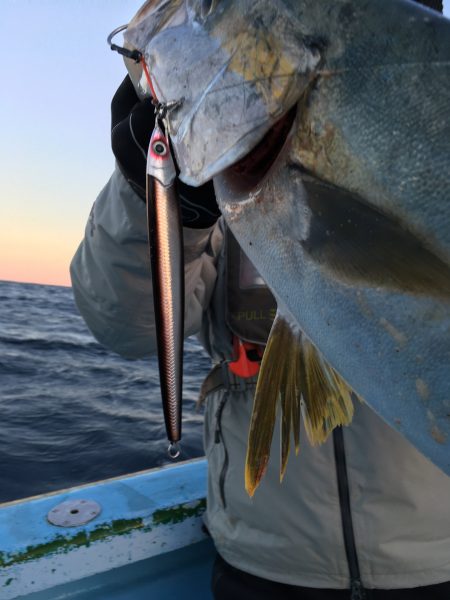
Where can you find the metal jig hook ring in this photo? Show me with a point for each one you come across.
(173, 450)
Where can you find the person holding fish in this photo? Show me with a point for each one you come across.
(360, 512)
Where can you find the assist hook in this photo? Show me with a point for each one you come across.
(133, 54)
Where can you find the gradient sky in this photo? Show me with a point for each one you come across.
(58, 77)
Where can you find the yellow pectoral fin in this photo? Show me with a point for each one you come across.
(327, 398)
(265, 406)
(292, 370)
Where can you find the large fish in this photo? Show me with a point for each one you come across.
(326, 127)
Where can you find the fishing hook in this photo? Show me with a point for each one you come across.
(162, 109)
(133, 54)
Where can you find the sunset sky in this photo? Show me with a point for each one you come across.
(58, 77)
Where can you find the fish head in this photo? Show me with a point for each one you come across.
(238, 67)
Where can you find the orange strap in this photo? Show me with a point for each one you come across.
(245, 365)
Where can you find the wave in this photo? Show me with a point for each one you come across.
(53, 344)
(72, 411)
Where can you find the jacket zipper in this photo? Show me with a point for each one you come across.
(357, 591)
(218, 437)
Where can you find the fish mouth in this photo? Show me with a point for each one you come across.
(248, 172)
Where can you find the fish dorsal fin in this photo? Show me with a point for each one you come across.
(295, 376)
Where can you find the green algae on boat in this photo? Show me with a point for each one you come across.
(177, 514)
(63, 544)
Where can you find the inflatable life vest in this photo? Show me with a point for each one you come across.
(249, 311)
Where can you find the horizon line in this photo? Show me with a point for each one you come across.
(34, 283)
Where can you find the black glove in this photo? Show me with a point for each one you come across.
(132, 124)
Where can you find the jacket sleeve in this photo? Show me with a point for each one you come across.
(111, 277)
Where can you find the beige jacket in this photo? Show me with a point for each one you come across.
(292, 533)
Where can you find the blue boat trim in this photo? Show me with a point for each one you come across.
(143, 515)
(61, 543)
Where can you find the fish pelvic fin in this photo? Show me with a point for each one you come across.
(295, 377)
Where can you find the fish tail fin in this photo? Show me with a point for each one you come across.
(296, 376)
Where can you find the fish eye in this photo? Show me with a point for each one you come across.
(159, 148)
(206, 7)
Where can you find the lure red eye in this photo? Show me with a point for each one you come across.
(159, 147)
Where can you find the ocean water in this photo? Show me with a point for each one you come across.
(72, 412)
